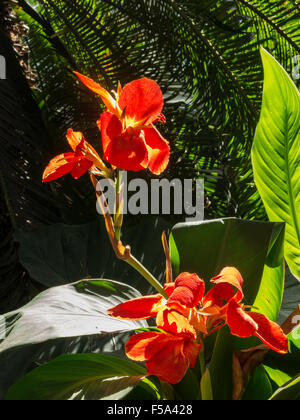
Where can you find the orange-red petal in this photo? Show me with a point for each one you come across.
(137, 309)
(239, 322)
(107, 99)
(270, 333)
(167, 356)
(59, 166)
(142, 101)
(232, 276)
(189, 290)
(123, 150)
(174, 322)
(158, 150)
(143, 346)
(74, 139)
(218, 294)
(169, 288)
(81, 166)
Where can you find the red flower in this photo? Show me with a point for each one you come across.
(170, 353)
(77, 163)
(229, 310)
(129, 139)
(167, 356)
(188, 313)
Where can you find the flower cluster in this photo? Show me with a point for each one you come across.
(130, 141)
(188, 316)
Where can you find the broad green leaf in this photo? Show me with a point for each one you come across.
(188, 387)
(277, 376)
(276, 155)
(256, 249)
(289, 391)
(285, 364)
(81, 377)
(291, 296)
(207, 247)
(60, 254)
(68, 318)
(206, 388)
(259, 387)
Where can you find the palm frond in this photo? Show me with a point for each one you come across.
(205, 56)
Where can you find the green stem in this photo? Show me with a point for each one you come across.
(133, 262)
(202, 360)
(118, 220)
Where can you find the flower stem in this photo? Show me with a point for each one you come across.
(202, 360)
(118, 222)
(133, 262)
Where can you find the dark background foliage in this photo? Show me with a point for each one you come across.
(204, 55)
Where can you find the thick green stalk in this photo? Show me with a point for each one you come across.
(119, 206)
(133, 262)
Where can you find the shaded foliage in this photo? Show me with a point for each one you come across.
(204, 55)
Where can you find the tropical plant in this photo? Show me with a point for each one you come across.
(198, 337)
(204, 55)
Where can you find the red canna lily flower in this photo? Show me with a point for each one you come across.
(247, 324)
(77, 163)
(129, 139)
(167, 356)
(229, 310)
(173, 315)
(169, 353)
(188, 314)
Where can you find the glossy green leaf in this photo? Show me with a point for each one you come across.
(60, 254)
(289, 364)
(289, 391)
(259, 387)
(68, 318)
(277, 376)
(81, 377)
(188, 387)
(256, 249)
(276, 155)
(207, 247)
(206, 387)
(291, 296)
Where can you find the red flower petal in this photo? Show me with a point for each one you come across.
(143, 346)
(74, 139)
(168, 356)
(191, 351)
(219, 293)
(110, 127)
(143, 101)
(81, 166)
(174, 322)
(270, 333)
(232, 276)
(189, 290)
(169, 364)
(107, 99)
(136, 309)
(239, 322)
(123, 150)
(169, 288)
(59, 166)
(158, 150)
